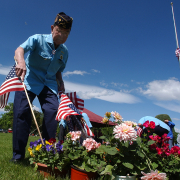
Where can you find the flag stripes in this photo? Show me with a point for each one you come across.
(11, 83)
(66, 108)
(79, 103)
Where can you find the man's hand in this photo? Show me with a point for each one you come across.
(60, 82)
(61, 86)
(21, 70)
(166, 120)
(68, 118)
(21, 66)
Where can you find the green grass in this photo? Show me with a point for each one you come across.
(18, 171)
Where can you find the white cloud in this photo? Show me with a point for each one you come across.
(163, 90)
(96, 71)
(176, 119)
(2, 111)
(177, 130)
(102, 83)
(36, 108)
(88, 92)
(4, 70)
(119, 84)
(172, 106)
(75, 72)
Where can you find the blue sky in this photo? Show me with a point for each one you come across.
(121, 53)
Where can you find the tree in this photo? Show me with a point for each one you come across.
(162, 117)
(6, 120)
(39, 118)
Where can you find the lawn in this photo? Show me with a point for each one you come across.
(19, 171)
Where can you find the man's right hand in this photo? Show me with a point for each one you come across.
(21, 70)
(21, 66)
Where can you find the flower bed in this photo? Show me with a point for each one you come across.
(123, 152)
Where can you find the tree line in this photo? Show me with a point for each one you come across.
(6, 119)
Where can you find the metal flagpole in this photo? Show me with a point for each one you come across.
(31, 109)
(177, 44)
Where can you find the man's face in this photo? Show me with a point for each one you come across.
(59, 35)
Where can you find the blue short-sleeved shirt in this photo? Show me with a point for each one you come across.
(43, 62)
(155, 120)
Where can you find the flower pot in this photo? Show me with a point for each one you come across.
(78, 174)
(125, 177)
(48, 171)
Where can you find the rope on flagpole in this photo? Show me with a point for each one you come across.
(31, 110)
(175, 26)
(177, 43)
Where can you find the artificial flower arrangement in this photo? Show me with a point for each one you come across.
(50, 154)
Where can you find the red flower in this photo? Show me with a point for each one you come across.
(152, 125)
(146, 124)
(52, 140)
(159, 151)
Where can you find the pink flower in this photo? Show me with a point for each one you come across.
(75, 135)
(154, 175)
(91, 144)
(130, 123)
(124, 132)
(116, 116)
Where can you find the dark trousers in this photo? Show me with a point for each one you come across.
(22, 118)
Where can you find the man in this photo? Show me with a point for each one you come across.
(160, 127)
(41, 73)
(170, 134)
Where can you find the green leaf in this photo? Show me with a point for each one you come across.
(108, 170)
(154, 165)
(102, 137)
(150, 142)
(111, 150)
(128, 165)
(140, 154)
(126, 144)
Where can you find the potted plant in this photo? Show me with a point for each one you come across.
(130, 158)
(48, 158)
(165, 160)
(87, 159)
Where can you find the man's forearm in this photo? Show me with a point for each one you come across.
(19, 55)
(21, 66)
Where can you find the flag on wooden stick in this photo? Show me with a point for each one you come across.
(11, 83)
(66, 108)
(79, 103)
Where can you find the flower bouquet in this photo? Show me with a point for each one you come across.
(129, 158)
(50, 154)
(89, 156)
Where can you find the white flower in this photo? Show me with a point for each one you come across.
(124, 132)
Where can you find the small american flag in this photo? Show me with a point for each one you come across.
(79, 103)
(87, 129)
(66, 108)
(177, 53)
(11, 83)
(139, 131)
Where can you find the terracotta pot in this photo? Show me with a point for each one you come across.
(47, 171)
(78, 174)
(125, 177)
